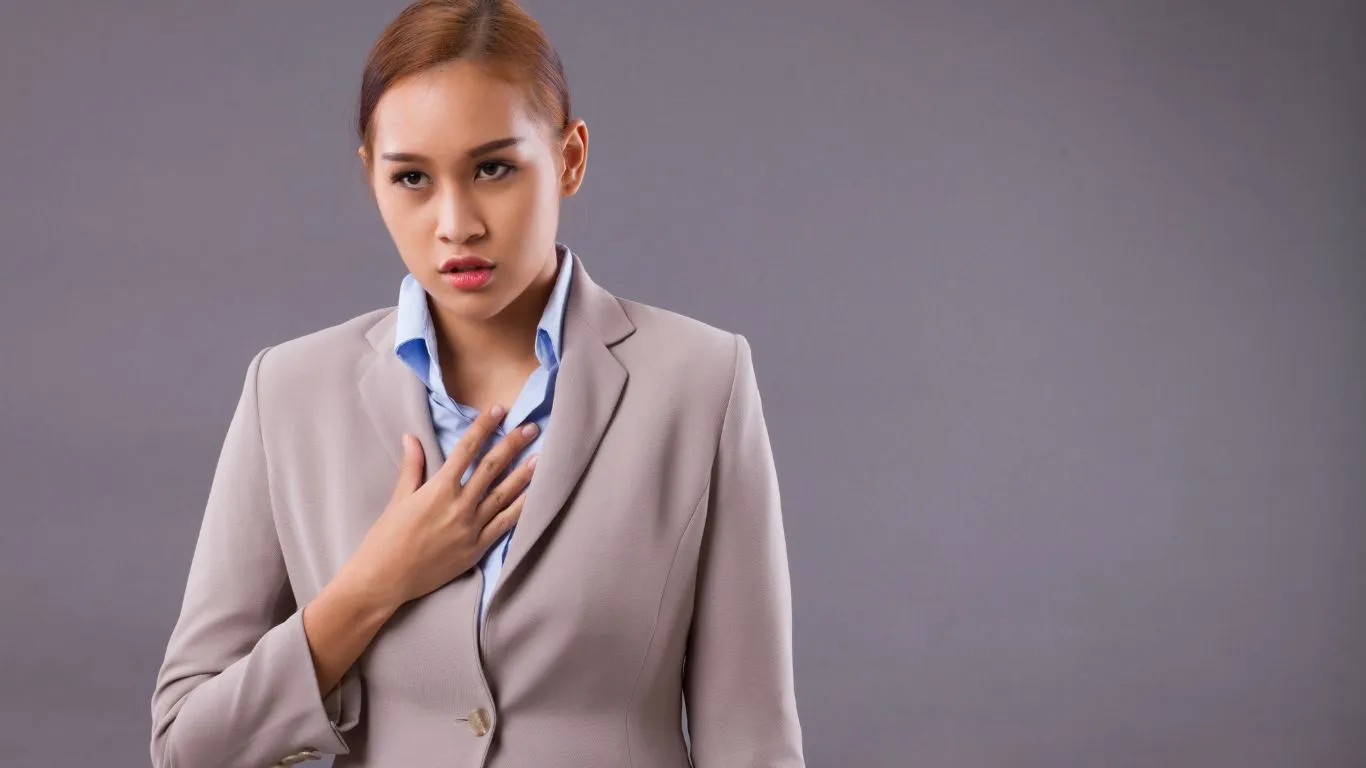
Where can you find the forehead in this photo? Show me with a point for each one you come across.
(448, 110)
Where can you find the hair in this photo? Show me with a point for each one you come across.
(498, 34)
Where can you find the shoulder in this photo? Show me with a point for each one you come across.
(311, 360)
(680, 351)
(671, 335)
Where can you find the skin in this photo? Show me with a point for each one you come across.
(501, 205)
(439, 202)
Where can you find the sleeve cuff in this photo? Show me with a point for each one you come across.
(323, 720)
(343, 703)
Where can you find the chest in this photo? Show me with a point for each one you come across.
(606, 580)
(480, 390)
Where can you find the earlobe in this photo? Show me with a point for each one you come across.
(571, 183)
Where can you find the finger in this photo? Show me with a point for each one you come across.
(506, 491)
(410, 468)
(499, 457)
(501, 523)
(468, 446)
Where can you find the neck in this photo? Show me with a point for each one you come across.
(508, 338)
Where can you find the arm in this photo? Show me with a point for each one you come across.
(738, 680)
(237, 686)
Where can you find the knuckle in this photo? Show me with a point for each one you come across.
(466, 529)
(461, 509)
(488, 467)
(496, 468)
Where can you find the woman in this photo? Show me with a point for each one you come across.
(404, 623)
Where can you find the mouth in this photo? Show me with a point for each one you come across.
(467, 264)
(468, 279)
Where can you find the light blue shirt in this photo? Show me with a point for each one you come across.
(415, 344)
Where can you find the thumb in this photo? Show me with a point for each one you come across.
(410, 471)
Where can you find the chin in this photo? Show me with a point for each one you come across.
(471, 306)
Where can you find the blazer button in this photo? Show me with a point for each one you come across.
(479, 721)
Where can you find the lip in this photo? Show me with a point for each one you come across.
(465, 262)
(469, 280)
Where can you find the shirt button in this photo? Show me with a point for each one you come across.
(479, 721)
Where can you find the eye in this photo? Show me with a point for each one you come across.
(410, 179)
(495, 164)
(398, 178)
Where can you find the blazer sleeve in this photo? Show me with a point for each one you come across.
(237, 685)
(738, 677)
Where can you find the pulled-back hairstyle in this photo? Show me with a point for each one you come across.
(498, 34)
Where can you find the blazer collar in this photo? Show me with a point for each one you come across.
(588, 387)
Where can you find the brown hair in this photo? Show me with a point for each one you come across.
(497, 33)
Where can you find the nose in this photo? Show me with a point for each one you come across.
(457, 218)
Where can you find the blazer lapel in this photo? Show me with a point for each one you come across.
(588, 386)
(396, 399)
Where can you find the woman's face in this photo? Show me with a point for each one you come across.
(461, 167)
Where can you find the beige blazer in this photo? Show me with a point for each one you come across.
(652, 533)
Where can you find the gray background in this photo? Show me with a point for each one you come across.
(1058, 308)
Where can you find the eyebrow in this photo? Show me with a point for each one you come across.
(482, 149)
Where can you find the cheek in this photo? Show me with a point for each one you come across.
(400, 214)
(530, 202)
(387, 205)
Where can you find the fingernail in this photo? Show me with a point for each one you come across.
(532, 464)
(530, 429)
(497, 411)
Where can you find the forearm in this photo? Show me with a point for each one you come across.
(340, 623)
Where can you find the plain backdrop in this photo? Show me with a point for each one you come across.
(1058, 310)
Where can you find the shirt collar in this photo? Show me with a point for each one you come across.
(415, 335)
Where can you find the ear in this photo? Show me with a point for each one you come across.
(574, 150)
(365, 171)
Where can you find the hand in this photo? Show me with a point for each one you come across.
(431, 533)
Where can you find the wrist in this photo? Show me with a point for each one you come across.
(367, 601)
